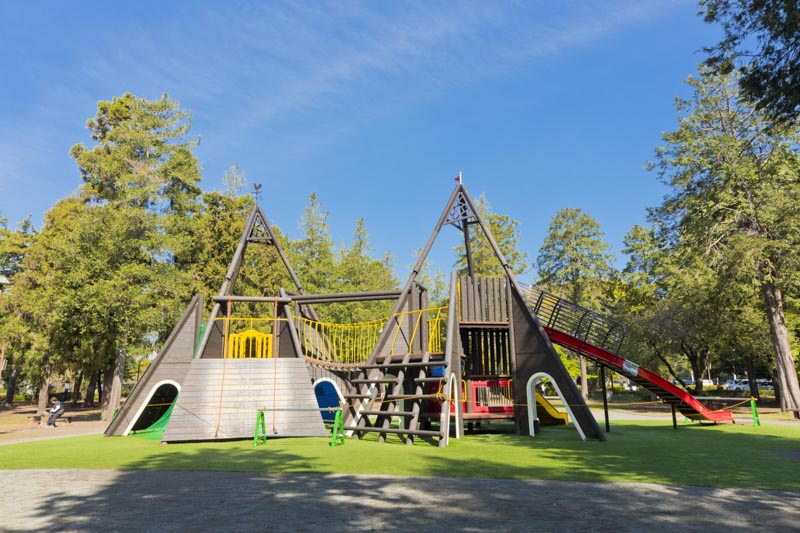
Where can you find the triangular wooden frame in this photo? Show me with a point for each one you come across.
(461, 212)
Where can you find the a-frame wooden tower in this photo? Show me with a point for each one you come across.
(215, 386)
(491, 333)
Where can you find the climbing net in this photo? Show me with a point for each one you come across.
(335, 343)
(330, 342)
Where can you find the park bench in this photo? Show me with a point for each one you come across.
(38, 419)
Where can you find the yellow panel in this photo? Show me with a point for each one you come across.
(250, 344)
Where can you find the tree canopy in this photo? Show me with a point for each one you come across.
(762, 38)
(505, 232)
(573, 259)
(734, 196)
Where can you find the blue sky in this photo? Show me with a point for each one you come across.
(374, 106)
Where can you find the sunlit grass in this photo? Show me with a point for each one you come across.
(721, 456)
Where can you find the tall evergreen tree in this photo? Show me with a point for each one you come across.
(733, 196)
(141, 187)
(325, 268)
(313, 254)
(15, 336)
(574, 260)
(356, 271)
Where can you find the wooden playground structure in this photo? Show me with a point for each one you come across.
(422, 372)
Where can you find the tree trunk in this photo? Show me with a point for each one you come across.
(44, 396)
(776, 383)
(100, 384)
(89, 399)
(696, 364)
(584, 380)
(76, 389)
(784, 362)
(112, 388)
(11, 386)
(751, 377)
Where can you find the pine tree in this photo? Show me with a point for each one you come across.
(733, 198)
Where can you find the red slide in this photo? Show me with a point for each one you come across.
(598, 337)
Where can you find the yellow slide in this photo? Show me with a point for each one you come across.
(549, 415)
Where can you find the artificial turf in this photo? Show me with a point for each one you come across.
(724, 455)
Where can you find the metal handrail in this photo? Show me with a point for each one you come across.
(582, 323)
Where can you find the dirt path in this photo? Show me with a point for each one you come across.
(17, 424)
(103, 500)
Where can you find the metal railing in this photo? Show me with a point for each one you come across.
(570, 318)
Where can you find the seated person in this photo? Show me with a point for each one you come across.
(56, 410)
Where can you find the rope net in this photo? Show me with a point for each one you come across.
(353, 343)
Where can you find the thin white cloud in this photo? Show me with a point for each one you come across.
(297, 75)
(319, 60)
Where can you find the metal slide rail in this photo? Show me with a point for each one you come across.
(584, 324)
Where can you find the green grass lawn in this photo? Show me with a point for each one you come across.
(720, 456)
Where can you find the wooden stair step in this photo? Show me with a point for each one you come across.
(397, 431)
(375, 381)
(357, 396)
(412, 358)
(428, 380)
(410, 396)
(387, 413)
(416, 364)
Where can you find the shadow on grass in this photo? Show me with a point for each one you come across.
(229, 485)
(713, 456)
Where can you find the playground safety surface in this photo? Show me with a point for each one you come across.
(105, 500)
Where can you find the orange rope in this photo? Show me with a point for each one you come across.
(274, 376)
(224, 364)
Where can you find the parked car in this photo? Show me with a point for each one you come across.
(744, 385)
(765, 384)
(630, 385)
(740, 385)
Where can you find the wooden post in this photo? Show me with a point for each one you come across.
(605, 396)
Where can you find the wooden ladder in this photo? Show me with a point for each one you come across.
(381, 388)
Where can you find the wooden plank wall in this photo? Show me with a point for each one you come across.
(214, 346)
(171, 364)
(484, 299)
(534, 353)
(219, 400)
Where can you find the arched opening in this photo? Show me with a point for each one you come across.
(533, 420)
(154, 415)
(328, 398)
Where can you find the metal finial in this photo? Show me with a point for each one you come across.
(257, 191)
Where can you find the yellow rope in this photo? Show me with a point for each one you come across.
(438, 395)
